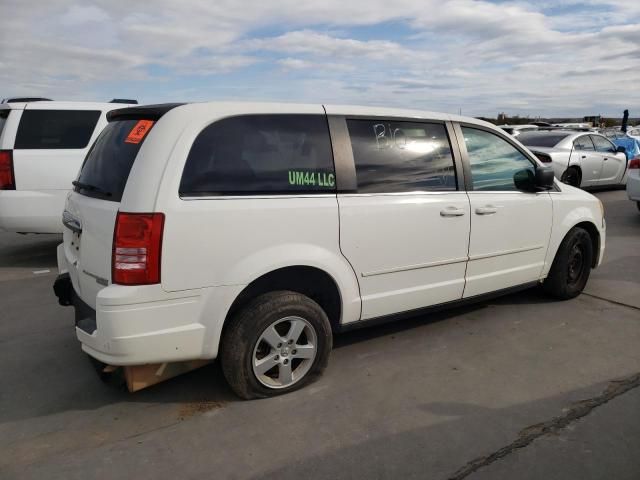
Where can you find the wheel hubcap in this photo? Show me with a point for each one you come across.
(285, 352)
(576, 263)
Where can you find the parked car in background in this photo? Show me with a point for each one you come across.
(634, 132)
(579, 158)
(631, 145)
(42, 145)
(633, 182)
(515, 130)
(250, 232)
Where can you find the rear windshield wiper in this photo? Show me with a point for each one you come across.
(91, 188)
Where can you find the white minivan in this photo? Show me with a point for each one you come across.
(251, 232)
(42, 145)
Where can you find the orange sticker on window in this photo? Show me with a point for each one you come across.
(138, 132)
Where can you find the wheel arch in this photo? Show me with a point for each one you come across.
(307, 280)
(594, 234)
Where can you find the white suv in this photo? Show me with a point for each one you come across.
(251, 232)
(42, 145)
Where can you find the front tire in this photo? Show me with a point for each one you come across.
(276, 344)
(571, 267)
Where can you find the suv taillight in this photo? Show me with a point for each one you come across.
(7, 179)
(634, 163)
(137, 244)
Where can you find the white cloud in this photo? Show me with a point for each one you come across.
(475, 55)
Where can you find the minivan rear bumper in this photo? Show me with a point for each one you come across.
(136, 333)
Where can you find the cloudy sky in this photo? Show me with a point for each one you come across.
(481, 57)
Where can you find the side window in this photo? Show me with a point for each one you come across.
(392, 156)
(56, 129)
(261, 154)
(583, 143)
(494, 161)
(602, 144)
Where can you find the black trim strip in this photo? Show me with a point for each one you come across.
(347, 327)
(346, 181)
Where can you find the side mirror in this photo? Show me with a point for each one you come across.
(544, 178)
(621, 149)
(525, 180)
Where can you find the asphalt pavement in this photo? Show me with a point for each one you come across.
(519, 387)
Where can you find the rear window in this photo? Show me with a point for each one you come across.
(537, 139)
(56, 129)
(261, 154)
(106, 168)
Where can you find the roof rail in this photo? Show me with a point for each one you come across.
(124, 100)
(25, 99)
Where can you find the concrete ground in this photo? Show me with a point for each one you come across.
(520, 387)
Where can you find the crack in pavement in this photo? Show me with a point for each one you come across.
(533, 432)
(615, 302)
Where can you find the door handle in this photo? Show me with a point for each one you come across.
(486, 210)
(584, 156)
(452, 212)
(606, 158)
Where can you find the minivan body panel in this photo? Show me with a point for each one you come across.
(406, 251)
(88, 253)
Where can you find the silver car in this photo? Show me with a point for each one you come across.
(579, 158)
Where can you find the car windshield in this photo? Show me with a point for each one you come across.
(542, 139)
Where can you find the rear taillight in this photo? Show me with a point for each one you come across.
(543, 157)
(634, 163)
(7, 179)
(137, 244)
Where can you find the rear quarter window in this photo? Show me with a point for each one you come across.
(106, 168)
(261, 154)
(56, 129)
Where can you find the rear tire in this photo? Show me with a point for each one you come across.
(638, 205)
(276, 344)
(572, 176)
(571, 266)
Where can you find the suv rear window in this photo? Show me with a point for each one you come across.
(106, 168)
(261, 154)
(56, 129)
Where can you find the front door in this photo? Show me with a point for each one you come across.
(406, 229)
(510, 229)
(613, 163)
(584, 154)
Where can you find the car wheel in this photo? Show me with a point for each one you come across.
(638, 205)
(572, 176)
(278, 343)
(571, 267)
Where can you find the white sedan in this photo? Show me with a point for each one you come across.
(579, 158)
(633, 182)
